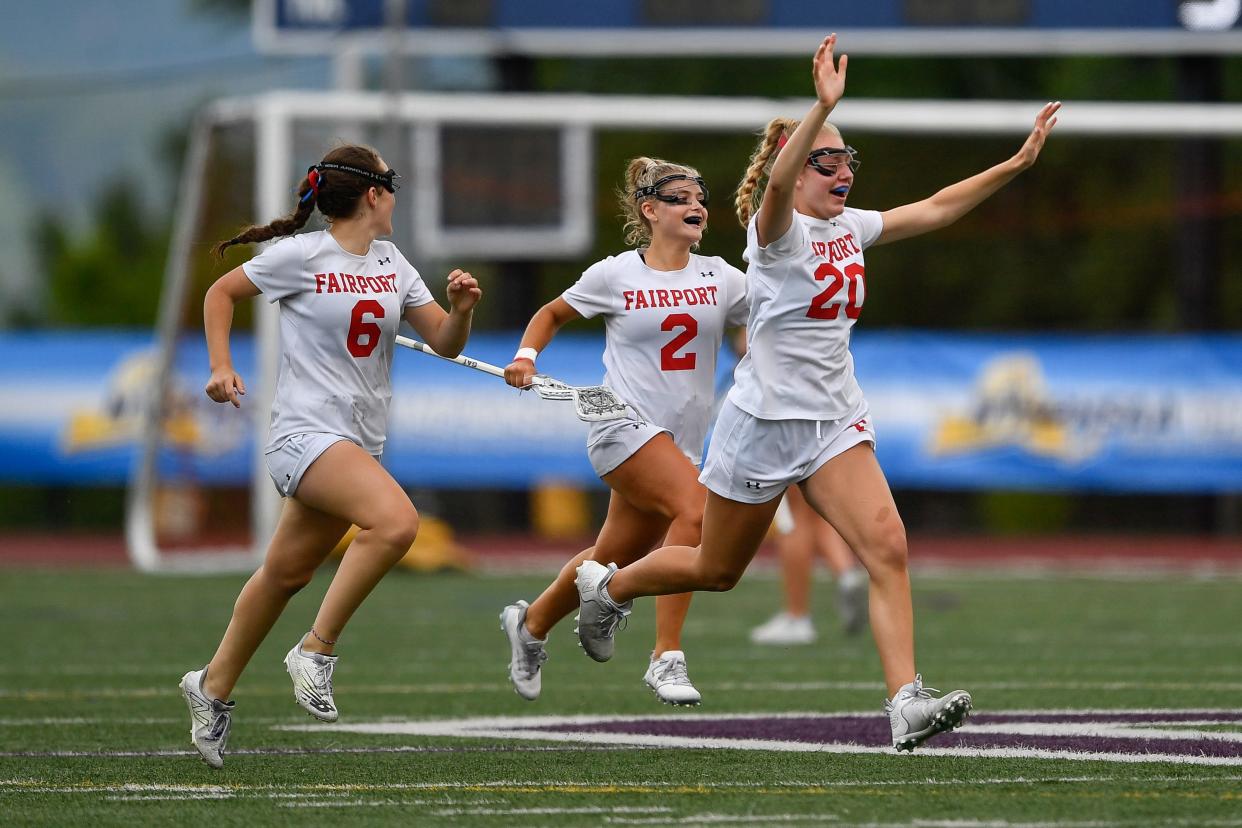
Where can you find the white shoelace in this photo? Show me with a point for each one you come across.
(323, 674)
(614, 618)
(674, 671)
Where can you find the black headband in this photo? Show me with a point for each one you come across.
(654, 189)
(383, 179)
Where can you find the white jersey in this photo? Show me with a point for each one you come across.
(663, 332)
(339, 315)
(806, 290)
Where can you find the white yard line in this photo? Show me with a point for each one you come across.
(541, 786)
(39, 695)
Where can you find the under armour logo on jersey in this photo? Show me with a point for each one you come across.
(752, 484)
(386, 260)
(708, 274)
(861, 425)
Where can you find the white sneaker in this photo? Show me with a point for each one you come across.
(784, 629)
(668, 678)
(852, 589)
(916, 716)
(598, 615)
(312, 682)
(525, 657)
(210, 719)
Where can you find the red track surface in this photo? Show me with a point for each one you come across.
(1071, 552)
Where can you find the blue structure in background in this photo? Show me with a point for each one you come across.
(1041, 412)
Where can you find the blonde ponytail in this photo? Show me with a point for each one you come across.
(750, 190)
(643, 172)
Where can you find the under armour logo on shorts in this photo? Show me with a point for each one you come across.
(751, 484)
(861, 425)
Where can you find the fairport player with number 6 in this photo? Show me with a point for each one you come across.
(796, 415)
(341, 294)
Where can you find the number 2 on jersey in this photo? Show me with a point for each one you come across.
(820, 309)
(670, 360)
(364, 335)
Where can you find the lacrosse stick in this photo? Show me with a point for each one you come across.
(592, 403)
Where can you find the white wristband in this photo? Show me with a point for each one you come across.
(526, 353)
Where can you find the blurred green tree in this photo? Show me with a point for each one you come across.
(109, 275)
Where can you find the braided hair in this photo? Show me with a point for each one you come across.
(749, 191)
(336, 192)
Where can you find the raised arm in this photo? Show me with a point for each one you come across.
(539, 332)
(956, 200)
(225, 384)
(447, 333)
(776, 212)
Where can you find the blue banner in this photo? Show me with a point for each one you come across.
(1040, 412)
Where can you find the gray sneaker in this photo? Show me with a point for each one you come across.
(312, 682)
(852, 589)
(598, 615)
(210, 719)
(916, 716)
(668, 679)
(525, 657)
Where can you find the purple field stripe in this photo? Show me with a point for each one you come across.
(869, 730)
(874, 730)
(1092, 744)
(1108, 718)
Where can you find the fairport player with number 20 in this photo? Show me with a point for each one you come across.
(796, 414)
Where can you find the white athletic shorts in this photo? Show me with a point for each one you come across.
(752, 460)
(611, 442)
(289, 461)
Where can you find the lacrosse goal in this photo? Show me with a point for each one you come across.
(460, 208)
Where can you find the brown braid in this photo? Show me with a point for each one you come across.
(338, 197)
(643, 172)
(749, 192)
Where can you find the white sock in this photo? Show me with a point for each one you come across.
(525, 636)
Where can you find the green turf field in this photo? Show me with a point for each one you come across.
(93, 728)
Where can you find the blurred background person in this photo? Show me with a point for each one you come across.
(801, 536)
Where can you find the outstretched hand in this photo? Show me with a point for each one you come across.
(463, 291)
(829, 75)
(1044, 122)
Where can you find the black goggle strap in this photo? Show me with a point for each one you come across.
(387, 180)
(833, 156)
(654, 189)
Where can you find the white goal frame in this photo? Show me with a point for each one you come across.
(275, 113)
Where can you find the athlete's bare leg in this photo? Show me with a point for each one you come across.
(850, 492)
(626, 530)
(732, 532)
(304, 537)
(655, 492)
(348, 482)
(796, 551)
(797, 548)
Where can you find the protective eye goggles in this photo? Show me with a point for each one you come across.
(671, 198)
(386, 179)
(825, 161)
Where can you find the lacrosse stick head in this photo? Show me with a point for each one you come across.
(592, 403)
(551, 389)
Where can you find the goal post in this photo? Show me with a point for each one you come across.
(278, 120)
